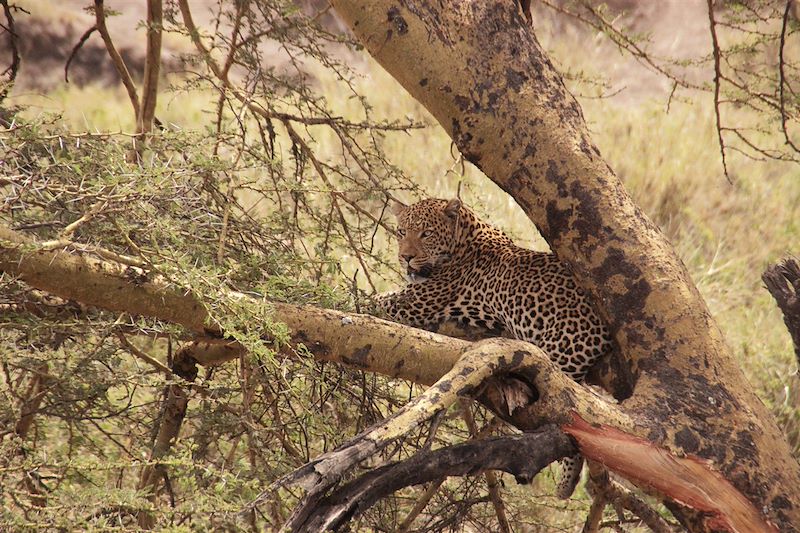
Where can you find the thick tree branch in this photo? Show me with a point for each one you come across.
(685, 480)
(152, 67)
(329, 335)
(523, 456)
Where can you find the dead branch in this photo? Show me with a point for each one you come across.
(523, 456)
(783, 283)
(173, 411)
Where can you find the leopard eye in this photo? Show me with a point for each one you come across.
(425, 234)
(401, 233)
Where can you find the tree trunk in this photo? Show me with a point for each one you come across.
(477, 67)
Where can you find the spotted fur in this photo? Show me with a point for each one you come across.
(461, 268)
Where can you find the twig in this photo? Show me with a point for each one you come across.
(420, 505)
(334, 195)
(608, 491)
(781, 66)
(149, 359)
(96, 208)
(76, 48)
(717, 82)
(257, 109)
(491, 478)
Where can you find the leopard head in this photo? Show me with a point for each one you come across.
(426, 233)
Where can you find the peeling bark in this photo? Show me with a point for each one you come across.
(685, 480)
(477, 67)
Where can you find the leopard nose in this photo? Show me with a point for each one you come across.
(407, 258)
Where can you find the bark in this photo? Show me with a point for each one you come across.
(357, 340)
(477, 67)
(523, 456)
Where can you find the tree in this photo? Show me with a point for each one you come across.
(480, 71)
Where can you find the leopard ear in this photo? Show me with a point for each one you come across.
(452, 208)
(397, 207)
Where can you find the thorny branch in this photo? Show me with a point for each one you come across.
(745, 73)
(781, 71)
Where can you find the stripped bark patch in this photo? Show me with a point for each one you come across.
(688, 480)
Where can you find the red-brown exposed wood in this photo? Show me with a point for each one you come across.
(688, 480)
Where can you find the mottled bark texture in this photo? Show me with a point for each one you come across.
(477, 67)
(360, 341)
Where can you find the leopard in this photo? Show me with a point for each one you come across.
(462, 269)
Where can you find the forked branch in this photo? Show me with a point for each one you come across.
(485, 359)
(523, 456)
